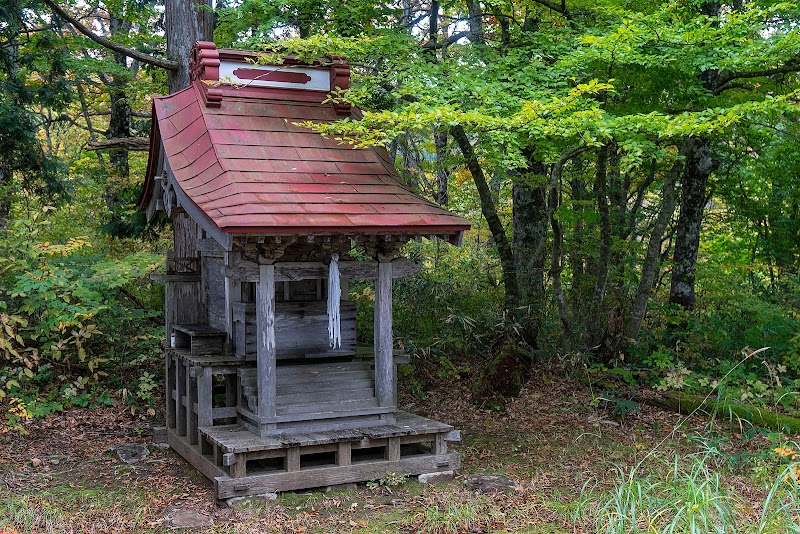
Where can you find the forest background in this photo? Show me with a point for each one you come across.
(630, 168)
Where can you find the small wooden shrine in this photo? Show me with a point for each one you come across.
(266, 387)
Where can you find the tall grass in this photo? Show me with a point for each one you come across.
(686, 496)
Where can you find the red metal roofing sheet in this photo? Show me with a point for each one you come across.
(251, 170)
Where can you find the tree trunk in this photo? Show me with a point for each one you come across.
(557, 255)
(650, 267)
(187, 21)
(595, 306)
(475, 22)
(442, 168)
(529, 241)
(699, 165)
(119, 123)
(489, 212)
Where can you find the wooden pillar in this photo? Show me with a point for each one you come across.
(384, 364)
(233, 293)
(265, 328)
(205, 402)
(169, 362)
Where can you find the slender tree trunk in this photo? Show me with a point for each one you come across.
(652, 260)
(187, 21)
(699, 165)
(119, 124)
(594, 324)
(442, 168)
(490, 214)
(475, 22)
(557, 254)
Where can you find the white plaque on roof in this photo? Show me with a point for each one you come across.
(274, 76)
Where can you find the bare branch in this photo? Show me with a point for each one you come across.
(141, 144)
(111, 45)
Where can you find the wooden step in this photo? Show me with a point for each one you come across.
(333, 395)
(340, 408)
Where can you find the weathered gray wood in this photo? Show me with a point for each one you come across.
(247, 415)
(223, 412)
(265, 317)
(301, 329)
(453, 435)
(235, 438)
(238, 468)
(233, 293)
(191, 415)
(247, 271)
(181, 277)
(344, 453)
(210, 248)
(439, 444)
(170, 377)
(293, 459)
(215, 292)
(385, 388)
(228, 459)
(205, 412)
(180, 392)
(319, 406)
(330, 476)
(191, 455)
(314, 395)
(393, 449)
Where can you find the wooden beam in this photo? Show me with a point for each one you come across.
(385, 389)
(290, 271)
(233, 293)
(330, 476)
(265, 329)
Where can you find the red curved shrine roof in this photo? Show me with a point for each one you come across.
(238, 156)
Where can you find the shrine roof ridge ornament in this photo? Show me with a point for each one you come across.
(222, 69)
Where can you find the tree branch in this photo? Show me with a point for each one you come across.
(111, 45)
(722, 83)
(141, 144)
(558, 8)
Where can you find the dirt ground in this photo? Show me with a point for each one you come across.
(63, 476)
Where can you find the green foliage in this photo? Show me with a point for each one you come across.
(65, 320)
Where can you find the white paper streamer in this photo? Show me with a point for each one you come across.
(334, 299)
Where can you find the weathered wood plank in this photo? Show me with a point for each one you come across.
(293, 459)
(344, 453)
(301, 328)
(265, 305)
(393, 449)
(328, 407)
(210, 248)
(233, 293)
(331, 476)
(205, 412)
(385, 388)
(313, 416)
(247, 271)
(215, 292)
(191, 455)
